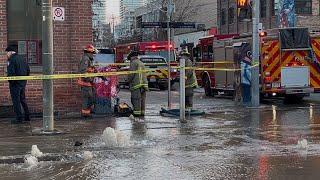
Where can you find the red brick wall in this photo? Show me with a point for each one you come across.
(70, 36)
(4, 95)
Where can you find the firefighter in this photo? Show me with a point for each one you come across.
(138, 84)
(86, 84)
(191, 80)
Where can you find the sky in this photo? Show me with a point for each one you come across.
(113, 9)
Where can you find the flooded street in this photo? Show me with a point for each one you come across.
(276, 141)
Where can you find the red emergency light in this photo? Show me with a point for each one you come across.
(267, 79)
(263, 34)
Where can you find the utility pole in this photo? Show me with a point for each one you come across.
(170, 9)
(255, 90)
(113, 18)
(47, 58)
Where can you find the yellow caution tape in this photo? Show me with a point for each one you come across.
(215, 69)
(219, 69)
(154, 64)
(106, 74)
(128, 64)
(217, 62)
(73, 76)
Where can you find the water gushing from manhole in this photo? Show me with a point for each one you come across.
(114, 138)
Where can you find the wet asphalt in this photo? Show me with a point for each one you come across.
(229, 142)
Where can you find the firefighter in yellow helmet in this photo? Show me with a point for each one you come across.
(191, 80)
(86, 84)
(138, 84)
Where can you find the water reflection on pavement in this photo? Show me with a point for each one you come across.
(230, 142)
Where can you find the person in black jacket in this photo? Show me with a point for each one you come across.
(17, 66)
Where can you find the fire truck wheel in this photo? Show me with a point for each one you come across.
(288, 99)
(207, 86)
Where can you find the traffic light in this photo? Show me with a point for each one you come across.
(242, 3)
(244, 9)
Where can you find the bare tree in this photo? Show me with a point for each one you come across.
(185, 11)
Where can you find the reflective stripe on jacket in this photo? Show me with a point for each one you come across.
(139, 79)
(191, 79)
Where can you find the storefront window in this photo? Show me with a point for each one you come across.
(24, 28)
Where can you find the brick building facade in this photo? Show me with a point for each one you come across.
(70, 36)
(230, 22)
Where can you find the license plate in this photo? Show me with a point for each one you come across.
(276, 85)
(153, 79)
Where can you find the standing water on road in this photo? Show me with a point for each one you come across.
(229, 142)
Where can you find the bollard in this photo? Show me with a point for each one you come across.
(311, 112)
(274, 112)
(182, 90)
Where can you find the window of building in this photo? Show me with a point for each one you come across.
(273, 8)
(223, 17)
(25, 28)
(231, 15)
(303, 6)
(263, 8)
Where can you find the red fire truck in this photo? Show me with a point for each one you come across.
(203, 55)
(156, 49)
(289, 63)
(159, 48)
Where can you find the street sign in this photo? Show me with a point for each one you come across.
(58, 14)
(154, 24)
(165, 25)
(182, 25)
